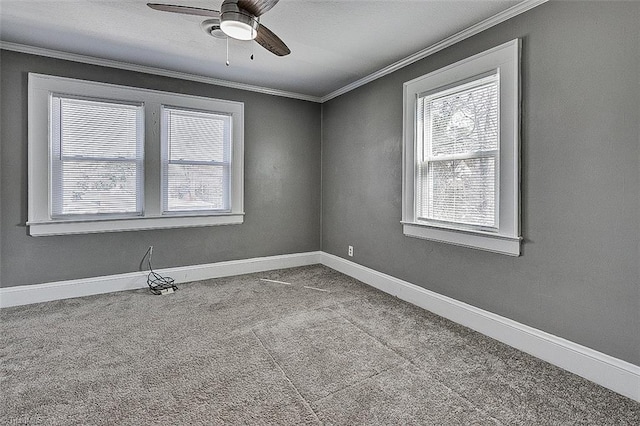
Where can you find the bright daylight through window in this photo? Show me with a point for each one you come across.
(196, 148)
(457, 154)
(96, 157)
(461, 142)
(106, 158)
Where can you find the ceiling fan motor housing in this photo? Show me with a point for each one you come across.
(237, 23)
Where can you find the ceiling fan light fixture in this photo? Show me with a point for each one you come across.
(236, 23)
(238, 19)
(239, 30)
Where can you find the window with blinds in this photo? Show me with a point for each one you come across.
(461, 152)
(458, 153)
(111, 158)
(96, 157)
(196, 151)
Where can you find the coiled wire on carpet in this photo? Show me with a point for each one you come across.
(156, 282)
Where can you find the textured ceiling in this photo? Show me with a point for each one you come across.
(333, 43)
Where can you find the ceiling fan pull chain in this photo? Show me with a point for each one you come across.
(227, 51)
(252, 30)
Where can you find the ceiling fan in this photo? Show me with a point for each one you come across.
(238, 19)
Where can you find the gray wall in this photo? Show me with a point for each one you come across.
(578, 277)
(282, 186)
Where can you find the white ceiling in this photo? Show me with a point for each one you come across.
(333, 43)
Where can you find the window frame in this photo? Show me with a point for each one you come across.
(166, 162)
(40, 220)
(505, 237)
(57, 159)
(425, 158)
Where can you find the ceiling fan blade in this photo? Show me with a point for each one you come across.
(271, 42)
(256, 7)
(187, 10)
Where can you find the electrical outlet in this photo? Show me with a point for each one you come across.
(350, 251)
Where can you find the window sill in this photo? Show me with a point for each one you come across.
(495, 243)
(37, 229)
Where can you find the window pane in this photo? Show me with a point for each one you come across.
(90, 187)
(98, 129)
(466, 121)
(96, 161)
(197, 187)
(197, 136)
(461, 191)
(191, 138)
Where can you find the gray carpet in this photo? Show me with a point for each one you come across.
(242, 350)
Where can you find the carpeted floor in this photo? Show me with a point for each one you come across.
(243, 350)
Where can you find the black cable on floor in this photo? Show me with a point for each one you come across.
(156, 282)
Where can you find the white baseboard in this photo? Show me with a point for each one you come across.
(605, 370)
(27, 294)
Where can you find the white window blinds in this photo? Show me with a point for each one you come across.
(97, 157)
(196, 160)
(458, 153)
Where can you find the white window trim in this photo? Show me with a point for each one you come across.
(39, 209)
(166, 161)
(506, 238)
(57, 161)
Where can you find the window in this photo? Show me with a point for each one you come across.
(461, 153)
(106, 158)
(96, 157)
(457, 143)
(196, 148)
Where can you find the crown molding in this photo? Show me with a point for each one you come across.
(443, 44)
(92, 60)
